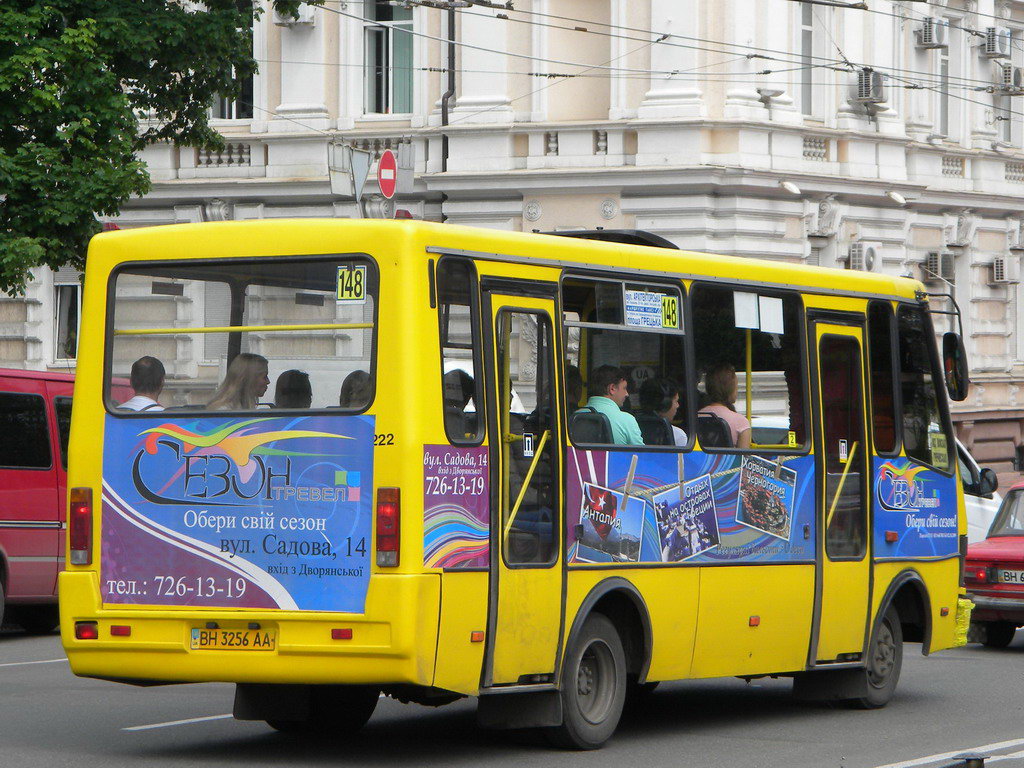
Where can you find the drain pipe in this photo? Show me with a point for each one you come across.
(449, 94)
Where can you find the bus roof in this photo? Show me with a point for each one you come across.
(286, 237)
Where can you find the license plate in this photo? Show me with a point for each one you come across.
(1009, 577)
(233, 639)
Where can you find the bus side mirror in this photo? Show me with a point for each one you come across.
(954, 366)
(987, 483)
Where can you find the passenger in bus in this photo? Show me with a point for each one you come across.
(147, 380)
(607, 389)
(459, 388)
(573, 386)
(293, 390)
(659, 397)
(244, 384)
(721, 387)
(355, 390)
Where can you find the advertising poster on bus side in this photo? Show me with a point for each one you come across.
(694, 509)
(919, 505)
(238, 512)
(687, 523)
(766, 494)
(456, 507)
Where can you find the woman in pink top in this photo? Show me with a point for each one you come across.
(721, 387)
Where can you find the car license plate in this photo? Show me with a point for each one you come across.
(233, 639)
(1009, 577)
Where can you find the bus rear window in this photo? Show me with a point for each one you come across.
(241, 335)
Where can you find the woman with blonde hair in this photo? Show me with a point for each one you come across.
(721, 387)
(244, 384)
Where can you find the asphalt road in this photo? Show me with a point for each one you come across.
(953, 702)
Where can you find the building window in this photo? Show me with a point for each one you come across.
(231, 109)
(68, 313)
(241, 108)
(807, 59)
(942, 124)
(387, 46)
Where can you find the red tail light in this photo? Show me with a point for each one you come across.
(80, 526)
(976, 573)
(86, 630)
(389, 513)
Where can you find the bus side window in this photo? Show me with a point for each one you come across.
(633, 331)
(883, 391)
(750, 364)
(459, 317)
(924, 435)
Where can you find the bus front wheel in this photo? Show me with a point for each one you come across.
(884, 661)
(593, 686)
(333, 711)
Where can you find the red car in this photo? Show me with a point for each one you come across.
(35, 418)
(994, 574)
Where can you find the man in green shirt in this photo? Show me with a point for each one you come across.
(607, 390)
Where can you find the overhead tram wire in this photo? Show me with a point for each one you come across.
(745, 78)
(641, 75)
(555, 82)
(511, 54)
(786, 57)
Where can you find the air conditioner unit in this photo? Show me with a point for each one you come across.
(870, 87)
(933, 33)
(305, 17)
(1005, 270)
(939, 267)
(864, 257)
(997, 43)
(1010, 79)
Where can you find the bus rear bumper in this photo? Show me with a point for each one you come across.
(394, 641)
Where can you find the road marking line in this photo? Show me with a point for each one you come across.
(1004, 757)
(946, 755)
(23, 663)
(176, 722)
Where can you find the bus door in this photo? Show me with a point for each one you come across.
(843, 566)
(525, 604)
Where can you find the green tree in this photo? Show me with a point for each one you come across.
(85, 85)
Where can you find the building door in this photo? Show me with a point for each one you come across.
(525, 607)
(844, 565)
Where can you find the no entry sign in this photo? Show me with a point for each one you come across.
(387, 174)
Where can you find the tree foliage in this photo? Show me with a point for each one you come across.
(84, 86)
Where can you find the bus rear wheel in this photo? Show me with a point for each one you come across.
(884, 661)
(333, 711)
(593, 686)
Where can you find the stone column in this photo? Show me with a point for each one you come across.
(674, 97)
(482, 94)
(302, 74)
(741, 97)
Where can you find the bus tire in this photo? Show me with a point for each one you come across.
(333, 711)
(998, 634)
(593, 686)
(884, 661)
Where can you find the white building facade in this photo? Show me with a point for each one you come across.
(889, 139)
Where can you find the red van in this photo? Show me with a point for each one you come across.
(35, 419)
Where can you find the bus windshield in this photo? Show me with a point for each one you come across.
(237, 335)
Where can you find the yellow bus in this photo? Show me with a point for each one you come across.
(433, 462)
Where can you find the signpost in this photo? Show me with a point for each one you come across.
(387, 174)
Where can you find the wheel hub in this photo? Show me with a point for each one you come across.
(883, 656)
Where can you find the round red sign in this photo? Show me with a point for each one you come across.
(387, 174)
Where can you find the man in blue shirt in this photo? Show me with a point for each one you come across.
(607, 390)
